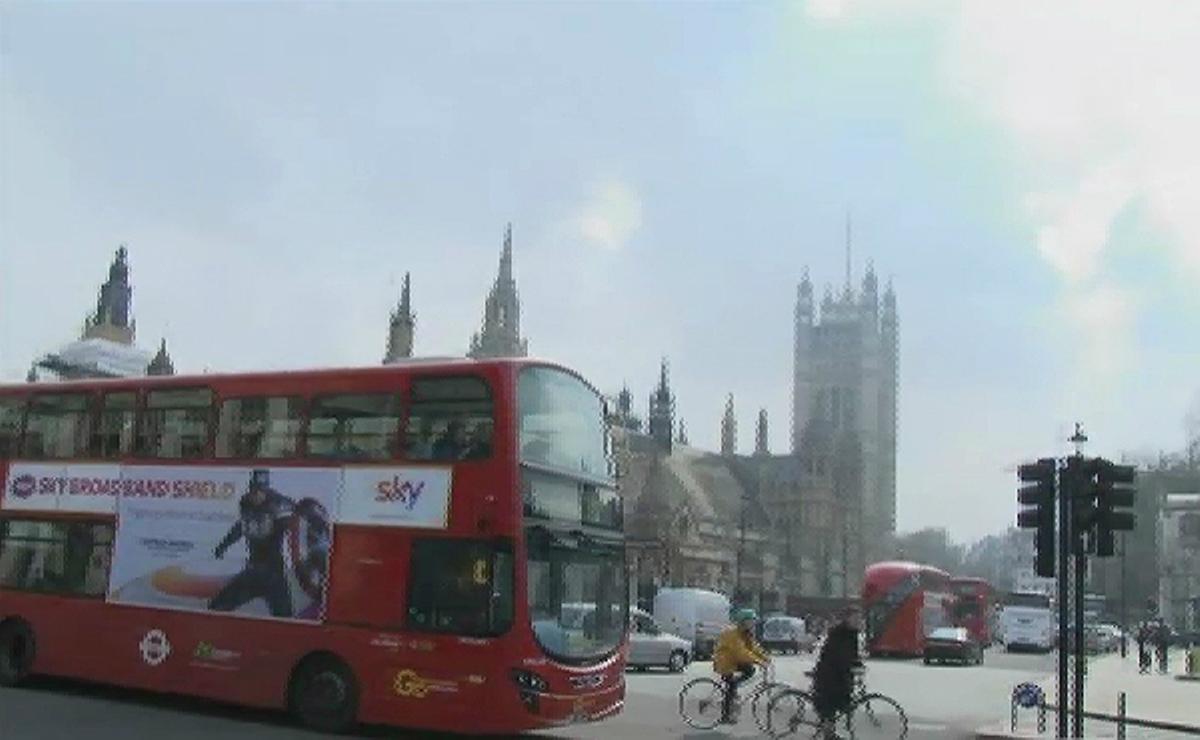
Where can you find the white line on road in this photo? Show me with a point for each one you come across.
(928, 726)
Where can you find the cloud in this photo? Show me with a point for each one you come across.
(1096, 98)
(611, 214)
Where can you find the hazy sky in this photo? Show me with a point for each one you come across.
(1028, 174)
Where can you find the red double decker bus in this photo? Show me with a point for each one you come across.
(902, 603)
(976, 608)
(436, 544)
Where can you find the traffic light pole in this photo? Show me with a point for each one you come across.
(1080, 667)
(1064, 555)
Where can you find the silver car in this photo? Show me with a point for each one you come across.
(650, 646)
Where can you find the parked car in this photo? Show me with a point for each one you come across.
(784, 633)
(650, 646)
(947, 644)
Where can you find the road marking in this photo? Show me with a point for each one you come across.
(928, 726)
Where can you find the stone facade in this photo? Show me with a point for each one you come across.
(758, 527)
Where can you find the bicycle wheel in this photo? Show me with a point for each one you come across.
(791, 712)
(760, 703)
(877, 717)
(700, 703)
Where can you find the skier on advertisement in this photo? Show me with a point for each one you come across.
(264, 515)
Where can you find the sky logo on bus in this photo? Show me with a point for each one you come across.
(23, 486)
(399, 490)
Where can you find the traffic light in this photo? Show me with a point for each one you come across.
(1037, 512)
(1114, 491)
(1079, 485)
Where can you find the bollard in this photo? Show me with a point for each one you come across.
(1121, 716)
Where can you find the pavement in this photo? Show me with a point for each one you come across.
(1156, 698)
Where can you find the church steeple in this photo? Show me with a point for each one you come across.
(682, 437)
(161, 364)
(501, 332)
(761, 442)
(729, 429)
(401, 327)
(113, 319)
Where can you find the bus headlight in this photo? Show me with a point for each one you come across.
(529, 681)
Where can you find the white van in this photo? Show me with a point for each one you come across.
(695, 615)
(783, 633)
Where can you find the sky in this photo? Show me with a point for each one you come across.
(1026, 174)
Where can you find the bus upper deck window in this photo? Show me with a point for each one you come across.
(57, 426)
(175, 423)
(450, 419)
(113, 435)
(12, 414)
(262, 426)
(360, 426)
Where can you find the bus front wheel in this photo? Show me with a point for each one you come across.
(17, 648)
(324, 694)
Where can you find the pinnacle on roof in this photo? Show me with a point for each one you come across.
(161, 363)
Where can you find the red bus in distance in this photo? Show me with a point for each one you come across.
(902, 603)
(976, 608)
(434, 544)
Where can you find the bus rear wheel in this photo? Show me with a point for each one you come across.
(324, 694)
(17, 648)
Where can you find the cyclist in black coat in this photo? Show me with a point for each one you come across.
(833, 678)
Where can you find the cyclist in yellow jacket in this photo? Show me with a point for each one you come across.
(735, 656)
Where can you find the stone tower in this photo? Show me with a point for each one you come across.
(401, 327)
(661, 420)
(501, 332)
(844, 395)
(729, 429)
(113, 319)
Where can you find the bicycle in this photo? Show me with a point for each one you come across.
(868, 716)
(700, 700)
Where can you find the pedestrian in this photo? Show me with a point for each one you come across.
(1162, 637)
(1143, 636)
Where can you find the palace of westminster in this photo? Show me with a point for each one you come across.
(788, 529)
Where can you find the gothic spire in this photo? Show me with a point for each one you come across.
(161, 364)
(848, 289)
(662, 408)
(682, 438)
(761, 443)
(729, 429)
(402, 326)
(501, 332)
(113, 319)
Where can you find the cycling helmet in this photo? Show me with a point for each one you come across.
(743, 615)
